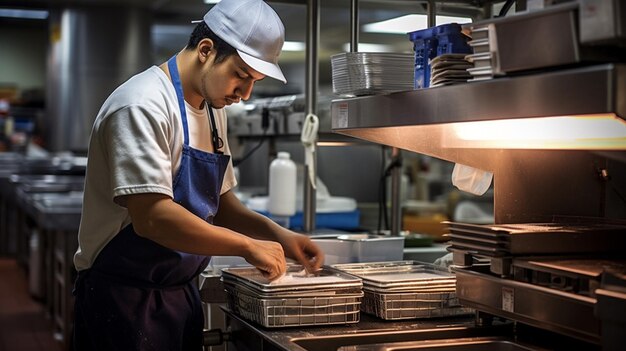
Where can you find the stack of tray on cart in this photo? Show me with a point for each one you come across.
(406, 289)
(296, 299)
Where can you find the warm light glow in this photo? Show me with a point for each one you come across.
(410, 23)
(563, 132)
(333, 143)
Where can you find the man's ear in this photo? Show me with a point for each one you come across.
(205, 49)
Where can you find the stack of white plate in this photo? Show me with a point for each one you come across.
(449, 69)
(406, 289)
(367, 73)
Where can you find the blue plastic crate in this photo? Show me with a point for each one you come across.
(432, 42)
(335, 220)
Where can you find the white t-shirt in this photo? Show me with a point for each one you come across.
(135, 147)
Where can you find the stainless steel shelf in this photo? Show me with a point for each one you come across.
(413, 120)
(587, 90)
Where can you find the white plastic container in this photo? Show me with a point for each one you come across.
(282, 187)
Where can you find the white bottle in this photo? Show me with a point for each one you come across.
(282, 187)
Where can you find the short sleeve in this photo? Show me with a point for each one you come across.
(138, 154)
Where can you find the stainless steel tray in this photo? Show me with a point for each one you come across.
(398, 274)
(324, 279)
(442, 288)
(537, 238)
(296, 311)
(292, 294)
(412, 305)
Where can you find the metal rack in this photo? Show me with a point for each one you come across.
(531, 185)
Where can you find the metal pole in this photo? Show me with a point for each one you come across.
(432, 15)
(312, 77)
(396, 206)
(354, 25)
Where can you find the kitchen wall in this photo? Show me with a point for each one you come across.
(23, 54)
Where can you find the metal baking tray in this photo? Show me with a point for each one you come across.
(325, 278)
(396, 274)
(297, 311)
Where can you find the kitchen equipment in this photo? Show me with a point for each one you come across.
(296, 299)
(406, 289)
(566, 33)
(580, 276)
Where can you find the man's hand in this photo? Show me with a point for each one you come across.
(300, 248)
(268, 257)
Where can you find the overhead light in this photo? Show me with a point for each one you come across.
(560, 132)
(369, 47)
(27, 14)
(211, 1)
(294, 46)
(410, 23)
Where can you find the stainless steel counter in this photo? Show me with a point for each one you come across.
(248, 336)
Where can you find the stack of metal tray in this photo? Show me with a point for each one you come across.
(406, 289)
(367, 73)
(297, 299)
(502, 240)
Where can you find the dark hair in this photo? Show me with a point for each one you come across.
(202, 31)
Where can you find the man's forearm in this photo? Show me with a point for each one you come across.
(236, 216)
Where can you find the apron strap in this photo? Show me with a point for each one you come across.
(173, 68)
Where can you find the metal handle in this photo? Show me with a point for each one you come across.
(214, 337)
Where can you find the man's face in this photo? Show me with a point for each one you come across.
(228, 82)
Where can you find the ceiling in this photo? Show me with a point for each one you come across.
(171, 19)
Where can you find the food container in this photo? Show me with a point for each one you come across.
(355, 248)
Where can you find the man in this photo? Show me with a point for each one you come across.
(157, 198)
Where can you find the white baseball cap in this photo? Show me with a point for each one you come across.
(254, 29)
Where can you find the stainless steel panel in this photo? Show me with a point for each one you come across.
(545, 308)
(534, 39)
(464, 344)
(92, 51)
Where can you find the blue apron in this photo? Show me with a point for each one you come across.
(139, 295)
